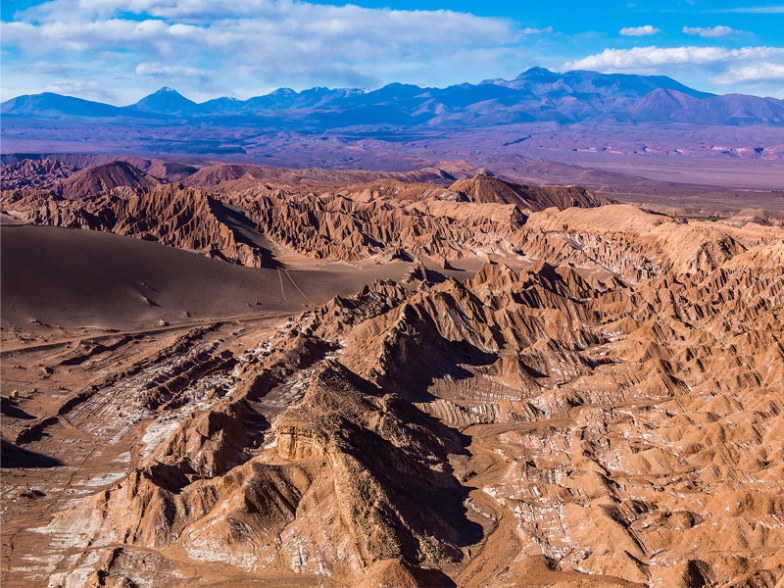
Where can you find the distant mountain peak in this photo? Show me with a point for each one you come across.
(165, 101)
(168, 92)
(537, 73)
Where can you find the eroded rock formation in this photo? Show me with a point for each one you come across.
(600, 403)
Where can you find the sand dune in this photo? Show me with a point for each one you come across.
(76, 278)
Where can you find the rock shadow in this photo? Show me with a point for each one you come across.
(14, 456)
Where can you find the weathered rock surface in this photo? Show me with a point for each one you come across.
(599, 404)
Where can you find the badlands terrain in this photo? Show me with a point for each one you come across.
(232, 375)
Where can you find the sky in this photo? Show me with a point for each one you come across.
(118, 51)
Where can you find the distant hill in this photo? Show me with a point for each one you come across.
(485, 188)
(165, 101)
(535, 95)
(51, 105)
(94, 180)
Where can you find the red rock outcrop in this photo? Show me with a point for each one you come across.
(91, 181)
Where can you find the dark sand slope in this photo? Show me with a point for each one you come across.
(75, 278)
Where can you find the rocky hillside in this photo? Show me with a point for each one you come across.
(93, 180)
(178, 217)
(486, 188)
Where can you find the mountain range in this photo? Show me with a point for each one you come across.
(534, 96)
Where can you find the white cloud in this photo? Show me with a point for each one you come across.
(49, 68)
(642, 31)
(754, 10)
(758, 73)
(535, 31)
(91, 89)
(252, 44)
(168, 71)
(99, 24)
(641, 58)
(710, 32)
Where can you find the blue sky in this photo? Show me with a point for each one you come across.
(119, 50)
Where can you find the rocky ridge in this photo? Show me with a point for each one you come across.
(183, 218)
(482, 216)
